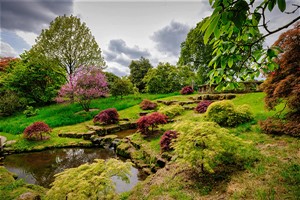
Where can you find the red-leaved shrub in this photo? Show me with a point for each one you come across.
(166, 139)
(152, 121)
(279, 127)
(187, 90)
(36, 130)
(202, 106)
(108, 116)
(147, 105)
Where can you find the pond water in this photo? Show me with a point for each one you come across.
(39, 167)
(124, 133)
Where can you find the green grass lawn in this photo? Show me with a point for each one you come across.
(68, 114)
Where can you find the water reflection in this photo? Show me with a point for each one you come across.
(39, 167)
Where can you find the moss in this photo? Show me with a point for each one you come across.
(122, 150)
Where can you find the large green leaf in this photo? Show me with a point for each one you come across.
(211, 28)
(281, 5)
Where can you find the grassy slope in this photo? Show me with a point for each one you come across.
(275, 176)
(69, 114)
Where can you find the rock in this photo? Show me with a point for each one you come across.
(161, 162)
(10, 142)
(125, 126)
(123, 150)
(230, 96)
(147, 171)
(29, 196)
(185, 102)
(143, 114)
(103, 141)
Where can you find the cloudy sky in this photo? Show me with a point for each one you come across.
(125, 30)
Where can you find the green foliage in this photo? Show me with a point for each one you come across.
(226, 114)
(30, 111)
(121, 87)
(138, 70)
(196, 54)
(69, 43)
(89, 181)
(204, 145)
(163, 79)
(171, 111)
(67, 114)
(110, 78)
(237, 42)
(36, 83)
(10, 103)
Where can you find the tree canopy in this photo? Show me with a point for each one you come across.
(138, 70)
(242, 19)
(70, 44)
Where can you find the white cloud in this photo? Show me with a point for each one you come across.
(7, 51)
(27, 36)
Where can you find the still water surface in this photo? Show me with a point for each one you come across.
(39, 167)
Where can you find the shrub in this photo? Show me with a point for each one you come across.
(147, 105)
(225, 114)
(172, 111)
(121, 87)
(36, 131)
(9, 103)
(187, 90)
(30, 111)
(166, 140)
(279, 127)
(204, 145)
(95, 180)
(152, 121)
(108, 116)
(202, 106)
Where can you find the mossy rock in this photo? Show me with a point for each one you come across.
(123, 150)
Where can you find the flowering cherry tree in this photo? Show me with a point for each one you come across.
(85, 85)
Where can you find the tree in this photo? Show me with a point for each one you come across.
(95, 180)
(69, 43)
(87, 84)
(196, 54)
(111, 78)
(108, 116)
(5, 62)
(283, 85)
(138, 70)
(34, 82)
(152, 120)
(241, 19)
(37, 130)
(163, 79)
(121, 87)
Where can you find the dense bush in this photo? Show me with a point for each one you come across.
(204, 145)
(187, 90)
(202, 106)
(108, 116)
(166, 139)
(172, 111)
(280, 127)
(147, 105)
(151, 120)
(36, 131)
(226, 114)
(10, 103)
(95, 181)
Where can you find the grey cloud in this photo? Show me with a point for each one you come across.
(32, 15)
(120, 46)
(117, 71)
(120, 53)
(170, 37)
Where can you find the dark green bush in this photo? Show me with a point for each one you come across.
(226, 114)
(10, 103)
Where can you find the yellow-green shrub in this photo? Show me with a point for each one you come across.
(226, 114)
(172, 111)
(204, 145)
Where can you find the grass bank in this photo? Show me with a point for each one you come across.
(68, 114)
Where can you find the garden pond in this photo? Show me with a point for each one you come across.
(40, 167)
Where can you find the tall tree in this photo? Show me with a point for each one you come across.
(138, 70)
(69, 43)
(163, 79)
(242, 19)
(196, 54)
